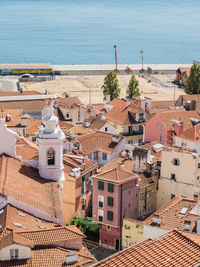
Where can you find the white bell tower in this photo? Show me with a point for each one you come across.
(50, 138)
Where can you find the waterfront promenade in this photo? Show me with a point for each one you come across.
(160, 69)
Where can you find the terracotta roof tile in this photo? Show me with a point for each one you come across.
(8, 237)
(183, 116)
(96, 123)
(16, 93)
(52, 236)
(171, 249)
(23, 183)
(50, 257)
(123, 111)
(98, 141)
(170, 216)
(192, 134)
(28, 222)
(116, 175)
(69, 101)
(26, 149)
(25, 105)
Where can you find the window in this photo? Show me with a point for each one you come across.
(150, 193)
(142, 196)
(161, 139)
(176, 162)
(106, 129)
(161, 128)
(157, 126)
(198, 165)
(172, 196)
(141, 116)
(110, 188)
(14, 253)
(51, 156)
(141, 129)
(101, 201)
(173, 176)
(108, 227)
(100, 218)
(109, 215)
(95, 155)
(130, 142)
(100, 185)
(130, 129)
(141, 212)
(104, 156)
(67, 115)
(90, 156)
(110, 201)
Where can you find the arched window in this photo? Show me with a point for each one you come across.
(51, 156)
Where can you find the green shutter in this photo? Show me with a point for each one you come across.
(110, 216)
(110, 201)
(100, 185)
(110, 188)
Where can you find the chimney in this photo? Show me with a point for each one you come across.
(8, 117)
(187, 226)
(121, 166)
(178, 126)
(156, 220)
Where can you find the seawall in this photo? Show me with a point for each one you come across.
(123, 69)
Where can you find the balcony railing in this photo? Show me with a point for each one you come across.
(132, 133)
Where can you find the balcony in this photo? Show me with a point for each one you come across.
(131, 133)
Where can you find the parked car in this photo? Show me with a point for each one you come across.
(27, 75)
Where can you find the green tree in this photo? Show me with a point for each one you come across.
(85, 224)
(133, 88)
(193, 81)
(111, 85)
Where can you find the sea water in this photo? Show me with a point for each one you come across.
(85, 31)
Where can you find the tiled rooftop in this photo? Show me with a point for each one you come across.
(116, 175)
(26, 149)
(52, 236)
(25, 221)
(174, 214)
(192, 134)
(122, 112)
(182, 116)
(98, 141)
(51, 257)
(96, 123)
(22, 183)
(171, 249)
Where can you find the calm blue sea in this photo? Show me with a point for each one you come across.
(84, 31)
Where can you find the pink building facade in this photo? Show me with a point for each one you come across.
(155, 130)
(112, 201)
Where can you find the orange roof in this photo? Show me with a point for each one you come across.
(186, 70)
(192, 134)
(182, 116)
(123, 111)
(96, 123)
(26, 149)
(16, 93)
(98, 141)
(68, 102)
(78, 161)
(170, 216)
(52, 256)
(25, 105)
(116, 175)
(157, 106)
(8, 237)
(171, 249)
(23, 183)
(52, 236)
(33, 126)
(11, 215)
(15, 116)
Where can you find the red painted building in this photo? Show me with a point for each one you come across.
(115, 196)
(165, 124)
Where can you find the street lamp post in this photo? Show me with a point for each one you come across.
(115, 47)
(142, 52)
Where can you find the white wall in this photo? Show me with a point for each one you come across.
(110, 129)
(24, 252)
(188, 144)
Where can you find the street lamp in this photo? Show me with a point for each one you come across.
(115, 47)
(142, 52)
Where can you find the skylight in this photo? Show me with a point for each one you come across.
(21, 214)
(184, 210)
(17, 224)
